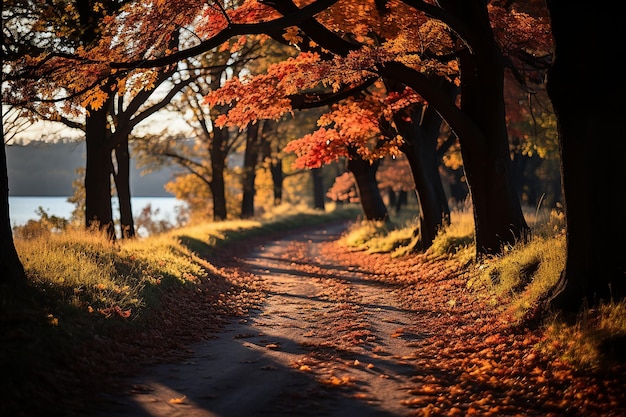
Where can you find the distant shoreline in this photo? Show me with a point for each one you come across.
(68, 196)
(25, 208)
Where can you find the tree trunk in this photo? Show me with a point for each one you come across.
(276, 169)
(392, 199)
(12, 270)
(369, 194)
(250, 159)
(98, 170)
(122, 186)
(318, 189)
(592, 142)
(420, 147)
(218, 166)
(498, 216)
(402, 200)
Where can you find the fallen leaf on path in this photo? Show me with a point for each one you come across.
(334, 381)
(179, 400)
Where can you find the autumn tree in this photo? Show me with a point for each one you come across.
(479, 122)
(206, 157)
(593, 176)
(58, 38)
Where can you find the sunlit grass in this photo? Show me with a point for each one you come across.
(515, 283)
(597, 340)
(521, 278)
(89, 273)
(397, 236)
(457, 239)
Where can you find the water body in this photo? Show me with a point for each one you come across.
(22, 209)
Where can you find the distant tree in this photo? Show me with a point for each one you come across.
(205, 153)
(193, 190)
(394, 175)
(364, 172)
(254, 137)
(319, 197)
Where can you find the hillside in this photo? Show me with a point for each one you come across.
(48, 169)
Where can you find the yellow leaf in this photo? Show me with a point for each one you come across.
(292, 36)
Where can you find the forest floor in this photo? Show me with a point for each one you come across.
(308, 327)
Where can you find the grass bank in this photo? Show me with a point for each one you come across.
(515, 283)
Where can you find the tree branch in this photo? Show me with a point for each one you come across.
(230, 31)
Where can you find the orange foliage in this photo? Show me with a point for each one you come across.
(395, 32)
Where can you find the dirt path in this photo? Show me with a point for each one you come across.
(326, 342)
(341, 334)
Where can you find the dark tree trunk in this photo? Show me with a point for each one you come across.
(250, 159)
(11, 268)
(593, 149)
(402, 200)
(318, 189)
(276, 169)
(393, 200)
(369, 194)
(217, 184)
(98, 170)
(498, 216)
(122, 186)
(420, 147)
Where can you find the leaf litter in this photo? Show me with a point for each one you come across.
(375, 330)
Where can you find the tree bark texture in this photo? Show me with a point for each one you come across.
(588, 103)
(98, 170)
